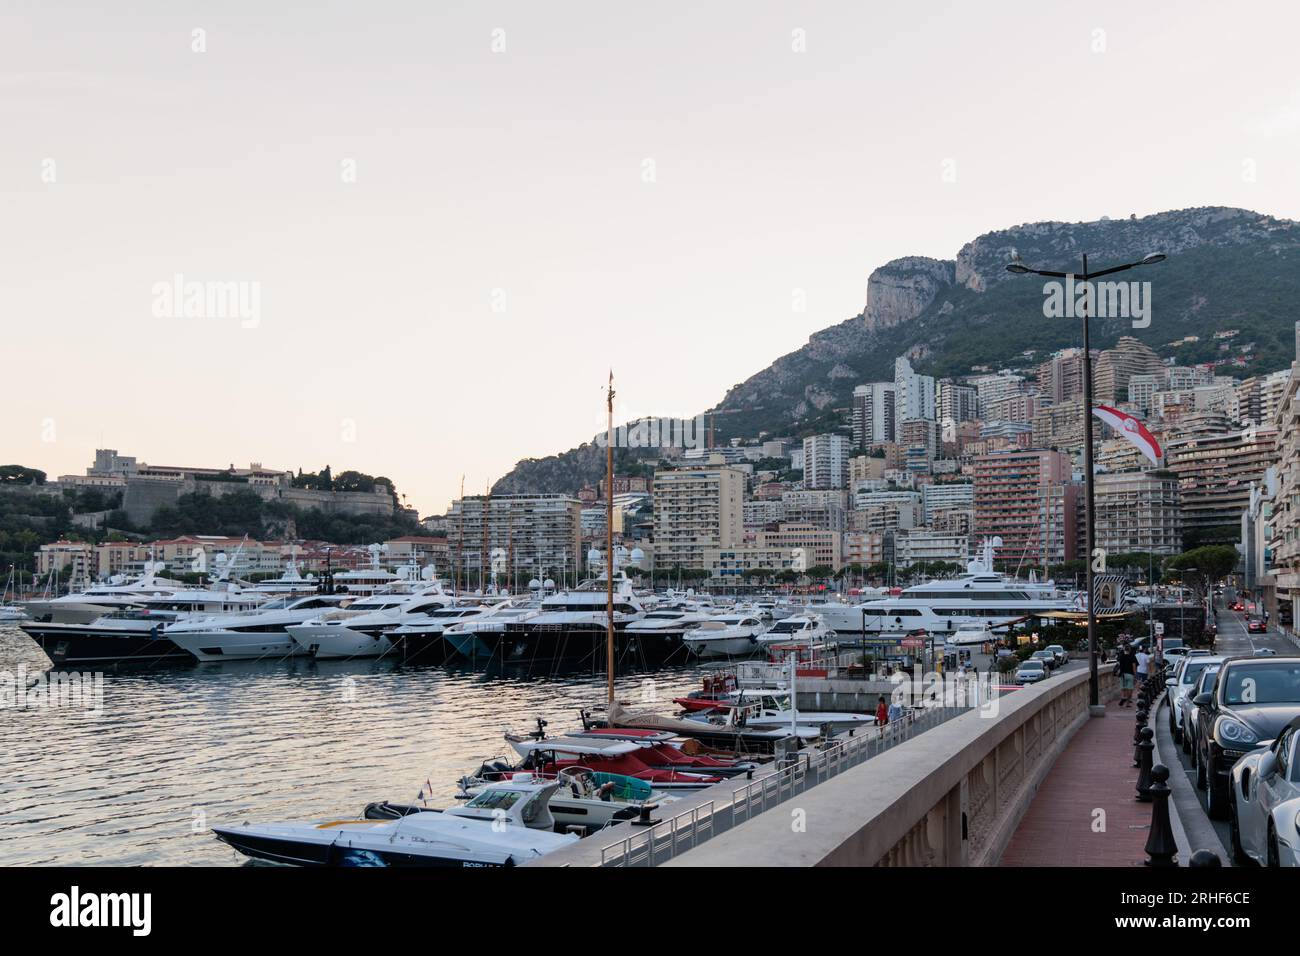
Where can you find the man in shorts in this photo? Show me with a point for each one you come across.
(1126, 662)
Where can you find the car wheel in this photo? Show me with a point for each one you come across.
(1216, 794)
(1239, 856)
(1274, 858)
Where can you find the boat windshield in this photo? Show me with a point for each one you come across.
(495, 800)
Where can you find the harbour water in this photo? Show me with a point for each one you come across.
(179, 749)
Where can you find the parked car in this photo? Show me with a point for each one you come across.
(1190, 712)
(1256, 626)
(1047, 657)
(1265, 802)
(1031, 671)
(1264, 652)
(1181, 685)
(1062, 656)
(1253, 700)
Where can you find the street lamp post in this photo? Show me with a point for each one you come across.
(1019, 268)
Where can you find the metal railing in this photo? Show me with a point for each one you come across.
(654, 844)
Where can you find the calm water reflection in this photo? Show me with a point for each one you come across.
(181, 749)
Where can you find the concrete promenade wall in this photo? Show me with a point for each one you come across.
(949, 797)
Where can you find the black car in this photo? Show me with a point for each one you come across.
(1253, 699)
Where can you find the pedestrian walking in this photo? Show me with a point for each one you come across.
(1126, 665)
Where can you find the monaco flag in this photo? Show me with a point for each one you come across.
(1132, 429)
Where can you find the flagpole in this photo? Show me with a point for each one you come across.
(609, 542)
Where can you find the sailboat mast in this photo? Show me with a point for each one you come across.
(460, 558)
(609, 541)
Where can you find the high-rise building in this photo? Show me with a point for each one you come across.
(696, 509)
(1215, 472)
(958, 403)
(825, 461)
(1060, 378)
(1115, 367)
(1026, 498)
(914, 395)
(873, 413)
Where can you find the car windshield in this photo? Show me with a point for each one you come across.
(1032, 665)
(1193, 670)
(1263, 683)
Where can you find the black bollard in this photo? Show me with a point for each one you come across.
(1140, 725)
(1204, 858)
(1145, 751)
(1160, 843)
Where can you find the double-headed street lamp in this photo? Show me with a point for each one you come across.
(1019, 268)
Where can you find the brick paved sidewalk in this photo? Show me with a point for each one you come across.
(1093, 772)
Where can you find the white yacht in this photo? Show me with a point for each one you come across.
(251, 635)
(425, 637)
(361, 630)
(726, 635)
(977, 598)
(479, 636)
(91, 603)
(291, 582)
(507, 823)
(669, 622)
(797, 629)
(136, 632)
(572, 624)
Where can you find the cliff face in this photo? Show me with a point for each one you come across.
(1227, 268)
(902, 289)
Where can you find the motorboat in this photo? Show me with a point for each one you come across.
(361, 630)
(426, 638)
(137, 633)
(725, 635)
(586, 799)
(508, 823)
(672, 623)
(481, 636)
(624, 757)
(252, 635)
(771, 707)
(723, 731)
(573, 623)
(717, 686)
(970, 635)
(805, 628)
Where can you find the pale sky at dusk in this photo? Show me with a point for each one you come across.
(517, 177)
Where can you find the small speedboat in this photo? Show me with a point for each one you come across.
(508, 823)
(732, 636)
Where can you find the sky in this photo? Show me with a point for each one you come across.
(443, 224)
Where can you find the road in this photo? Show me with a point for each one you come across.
(1233, 638)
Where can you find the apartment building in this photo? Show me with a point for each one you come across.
(538, 534)
(697, 509)
(1215, 472)
(1026, 498)
(1138, 511)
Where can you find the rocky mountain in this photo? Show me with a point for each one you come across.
(1227, 269)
